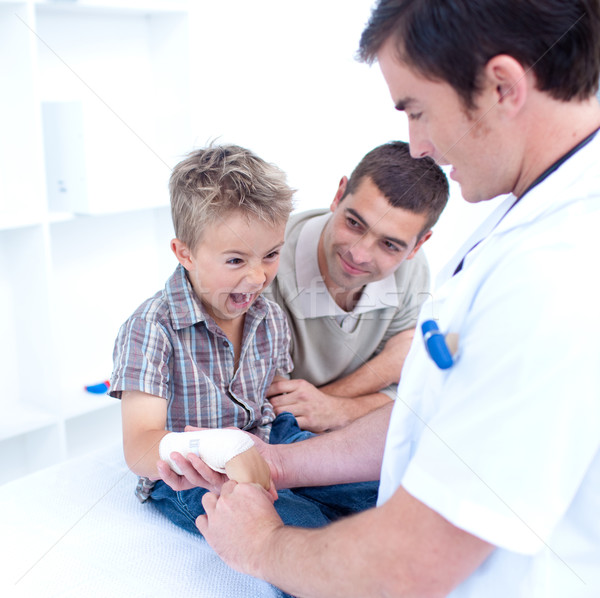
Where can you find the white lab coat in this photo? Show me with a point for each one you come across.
(506, 443)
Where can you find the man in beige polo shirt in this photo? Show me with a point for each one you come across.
(352, 281)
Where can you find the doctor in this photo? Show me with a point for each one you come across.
(491, 468)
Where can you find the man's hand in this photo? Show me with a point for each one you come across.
(239, 523)
(315, 410)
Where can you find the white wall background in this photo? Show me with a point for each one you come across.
(281, 79)
(278, 77)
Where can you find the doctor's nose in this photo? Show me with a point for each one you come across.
(420, 146)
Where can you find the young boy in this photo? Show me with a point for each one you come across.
(203, 351)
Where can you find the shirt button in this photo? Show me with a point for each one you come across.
(225, 344)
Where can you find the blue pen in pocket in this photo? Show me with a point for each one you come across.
(436, 345)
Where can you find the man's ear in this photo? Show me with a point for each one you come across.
(182, 253)
(339, 193)
(507, 77)
(420, 242)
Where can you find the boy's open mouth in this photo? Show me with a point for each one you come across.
(241, 298)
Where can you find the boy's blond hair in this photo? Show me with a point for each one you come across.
(217, 180)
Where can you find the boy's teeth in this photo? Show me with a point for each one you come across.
(241, 297)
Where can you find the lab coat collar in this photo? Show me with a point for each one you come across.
(545, 198)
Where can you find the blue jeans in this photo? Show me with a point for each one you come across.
(302, 507)
(333, 501)
(285, 430)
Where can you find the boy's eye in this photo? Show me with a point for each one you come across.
(234, 261)
(352, 223)
(272, 255)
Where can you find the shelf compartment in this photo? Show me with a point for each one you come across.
(120, 7)
(22, 200)
(22, 419)
(82, 432)
(29, 451)
(102, 269)
(115, 102)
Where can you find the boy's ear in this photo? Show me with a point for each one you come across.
(182, 253)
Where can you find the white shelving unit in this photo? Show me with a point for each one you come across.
(94, 113)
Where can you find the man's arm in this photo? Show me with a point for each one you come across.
(318, 411)
(351, 454)
(337, 404)
(402, 548)
(377, 373)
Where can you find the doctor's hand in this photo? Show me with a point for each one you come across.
(239, 523)
(315, 410)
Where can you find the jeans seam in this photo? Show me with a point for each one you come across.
(183, 508)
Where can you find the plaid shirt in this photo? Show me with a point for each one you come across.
(171, 348)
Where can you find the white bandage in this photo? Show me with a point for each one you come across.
(214, 447)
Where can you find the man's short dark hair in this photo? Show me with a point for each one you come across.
(416, 185)
(453, 40)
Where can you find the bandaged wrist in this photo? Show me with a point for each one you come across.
(214, 447)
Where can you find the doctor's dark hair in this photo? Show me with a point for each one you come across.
(452, 41)
(417, 185)
(211, 183)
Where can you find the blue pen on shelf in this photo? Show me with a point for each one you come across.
(436, 346)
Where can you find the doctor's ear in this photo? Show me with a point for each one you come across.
(510, 81)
